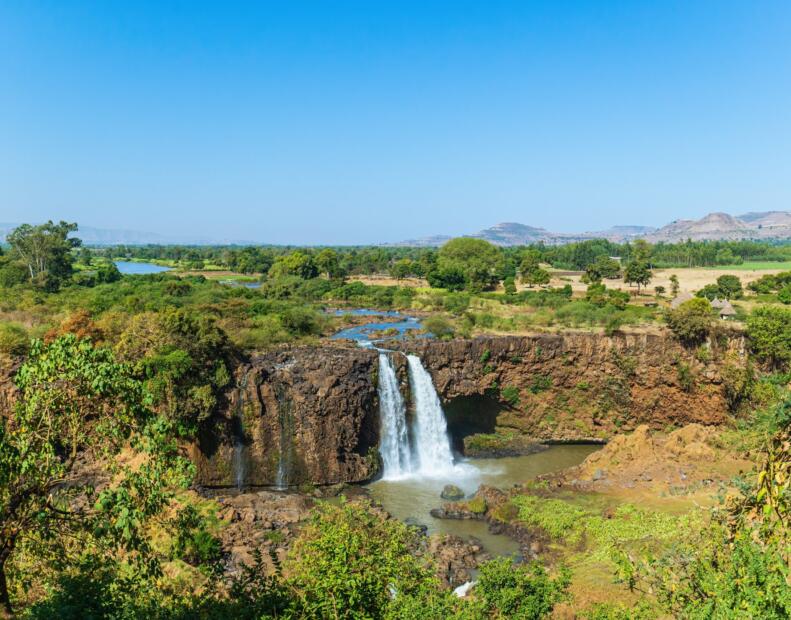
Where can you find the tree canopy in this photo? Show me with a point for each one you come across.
(45, 251)
(476, 259)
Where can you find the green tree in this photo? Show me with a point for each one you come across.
(769, 330)
(637, 272)
(328, 262)
(674, 285)
(641, 251)
(77, 405)
(45, 250)
(691, 322)
(450, 278)
(402, 269)
(730, 287)
(348, 561)
(603, 267)
(297, 264)
(477, 259)
(184, 359)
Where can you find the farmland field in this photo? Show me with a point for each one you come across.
(758, 266)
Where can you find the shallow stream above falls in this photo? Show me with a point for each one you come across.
(412, 498)
(396, 326)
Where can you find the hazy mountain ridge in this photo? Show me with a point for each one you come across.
(106, 236)
(755, 225)
(774, 225)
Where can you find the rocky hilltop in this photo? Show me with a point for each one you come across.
(714, 226)
(310, 414)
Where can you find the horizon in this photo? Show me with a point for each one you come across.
(358, 124)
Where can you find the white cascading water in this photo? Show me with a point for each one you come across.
(432, 446)
(394, 448)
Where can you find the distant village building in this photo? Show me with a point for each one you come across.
(724, 308)
(680, 299)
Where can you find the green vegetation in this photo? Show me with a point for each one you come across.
(116, 374)
(727, 287)
(692, 321)
(77, 402)
(769, 328)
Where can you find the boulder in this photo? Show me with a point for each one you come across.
(451, 493)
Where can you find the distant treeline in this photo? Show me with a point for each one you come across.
(373, 259)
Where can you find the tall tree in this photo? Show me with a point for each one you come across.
(637, 272)
(477, 259)
(45, 250)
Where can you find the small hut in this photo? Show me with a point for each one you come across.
(726, 310)
(680, 300)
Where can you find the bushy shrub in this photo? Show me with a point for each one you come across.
(769, 330)
(692, 321)
(14, 339)
(348, 562)
(439, 327)
(523, 592)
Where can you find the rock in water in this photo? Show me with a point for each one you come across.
(452, 493)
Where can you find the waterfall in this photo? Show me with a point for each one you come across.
(426, 450)
(239, 448)
(394, 448)
(432, 446)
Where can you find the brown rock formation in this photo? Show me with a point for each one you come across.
(576, 386)
(315, 409)
(310, 411)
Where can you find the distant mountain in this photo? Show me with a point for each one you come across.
(713, 226)
(103, 236)
(769, 225)
(774, 225)
(511, 233)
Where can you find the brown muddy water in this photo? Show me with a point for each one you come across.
(412, 498)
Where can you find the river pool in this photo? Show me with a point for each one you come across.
(137, 269)
(413, 498)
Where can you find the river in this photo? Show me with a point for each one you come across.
(412, 498)
(133, 268)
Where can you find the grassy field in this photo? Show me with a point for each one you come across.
(758, 266)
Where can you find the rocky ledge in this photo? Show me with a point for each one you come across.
(297, 415)
(502, 394)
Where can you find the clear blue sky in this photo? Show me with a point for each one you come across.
(353, 122)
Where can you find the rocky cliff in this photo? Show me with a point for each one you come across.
(310, 414)
(576, 386)
(304, 414)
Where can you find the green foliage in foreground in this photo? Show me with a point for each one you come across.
(739, 565)
(77, 404)
(349, 562)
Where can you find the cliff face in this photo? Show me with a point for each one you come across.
(578, 386)
(306, 414)
(310, 414)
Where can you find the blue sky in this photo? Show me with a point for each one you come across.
(355, 122)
